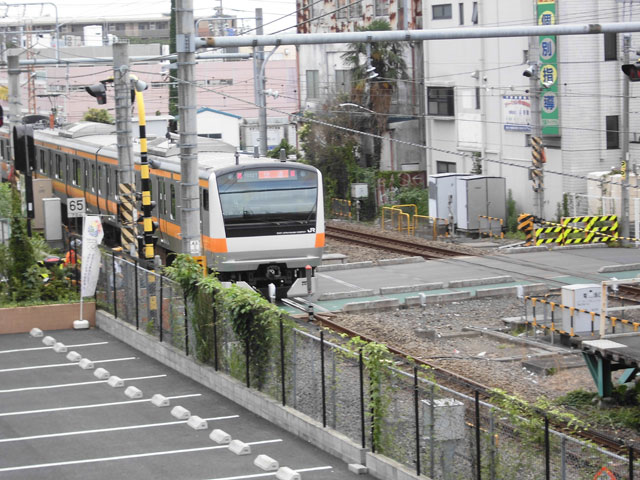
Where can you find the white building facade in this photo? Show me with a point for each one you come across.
(476, 99)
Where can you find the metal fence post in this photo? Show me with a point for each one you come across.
(246, 356)
(361, 370)
(216, 364)
(135, 282)
(417, 418)
(282, 365)
(161, 309)
(478, 452)
(630, 462)
(322, 383)
(186, 326)
(547, 460)
(113, 270)
(432, 432)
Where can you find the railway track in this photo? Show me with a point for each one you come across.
(405, 247)
(467, 386)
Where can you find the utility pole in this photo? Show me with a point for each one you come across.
(15, 105)
(260, 85)
(126, 187)
(188, 128)
(536, 128)
(624, 163)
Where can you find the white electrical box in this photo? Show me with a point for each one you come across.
(359, 190)
(587, 297)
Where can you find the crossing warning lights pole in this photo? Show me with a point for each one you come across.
(537, 159)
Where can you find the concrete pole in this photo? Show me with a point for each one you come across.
(624, 164)
(126, 180)
(188, 129)
(15, 105)
(261, 85)
(536, 128)
(122, 88)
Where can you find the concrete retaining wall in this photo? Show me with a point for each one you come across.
(480, 281)
(287, 418)
(422, 287)
(45, 317)
(384, 304)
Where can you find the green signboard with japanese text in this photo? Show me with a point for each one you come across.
(549, 112)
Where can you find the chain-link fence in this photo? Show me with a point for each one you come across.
(398, 412)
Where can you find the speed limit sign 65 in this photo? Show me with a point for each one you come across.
(75, 207)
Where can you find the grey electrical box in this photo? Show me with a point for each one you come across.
(42, 188)
(52, 220)
(479, 195)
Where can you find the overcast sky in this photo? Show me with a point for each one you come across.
(271, 10)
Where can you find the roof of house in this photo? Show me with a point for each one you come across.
(207, 109)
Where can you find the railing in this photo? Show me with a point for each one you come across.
(428, 428)
(341, 208)
(546, 319)
(495, 226)
(437, 227)
(398, 219)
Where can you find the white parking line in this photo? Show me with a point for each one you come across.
(50, 348)
(113, 429)
(127, 457)
(68, 364)
(79, 384)
(95, 405)
(272, 474)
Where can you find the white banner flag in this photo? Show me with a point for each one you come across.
(91, 237)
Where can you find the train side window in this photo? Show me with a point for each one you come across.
(85, 174)
(42, 162)
(162, 199)
(92, 181)
(108, 182)
(172, 193)
(75, 165)
(205, 199)
(58, 166)
(100, 173)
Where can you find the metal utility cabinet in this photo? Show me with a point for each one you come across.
(479, 195)
(442, 188)
(583, 297)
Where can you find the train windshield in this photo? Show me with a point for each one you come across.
(268, 196)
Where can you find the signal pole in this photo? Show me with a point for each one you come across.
(259, 85)
(537, 176)
(188, 128)
(126, 187)
(624, 163)
(15, 105)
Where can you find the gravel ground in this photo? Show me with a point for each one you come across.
(474, 357)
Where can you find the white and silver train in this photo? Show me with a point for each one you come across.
(262, 220)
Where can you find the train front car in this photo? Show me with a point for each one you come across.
(266, 222)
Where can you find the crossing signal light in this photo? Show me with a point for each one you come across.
(99, 91)
(24, 147)
(632, 70)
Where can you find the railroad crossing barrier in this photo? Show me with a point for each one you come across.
(438, 226)
(341, 207)
(397, 218)
(592, 228)
(549, 319)
(494, 224)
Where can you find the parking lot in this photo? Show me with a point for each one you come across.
(59, 420)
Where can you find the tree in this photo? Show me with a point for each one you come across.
(98, 115)
(288, 148)
(375, 93)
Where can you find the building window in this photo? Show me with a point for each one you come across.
(613, 133)
(446, 167)
(441, 12)
(342, 10)
(610, 46)
(313, 84)
(343, 81)
(440, 101)
(474, 13)
(382, 8)
(461, 13)
(152, 26)
(142, 26)
(355, 8)
(120, 27)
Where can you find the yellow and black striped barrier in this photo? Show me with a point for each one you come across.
(525, 224)
(491, 222)
(562, 233)
(341, 207)
(551, 326)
